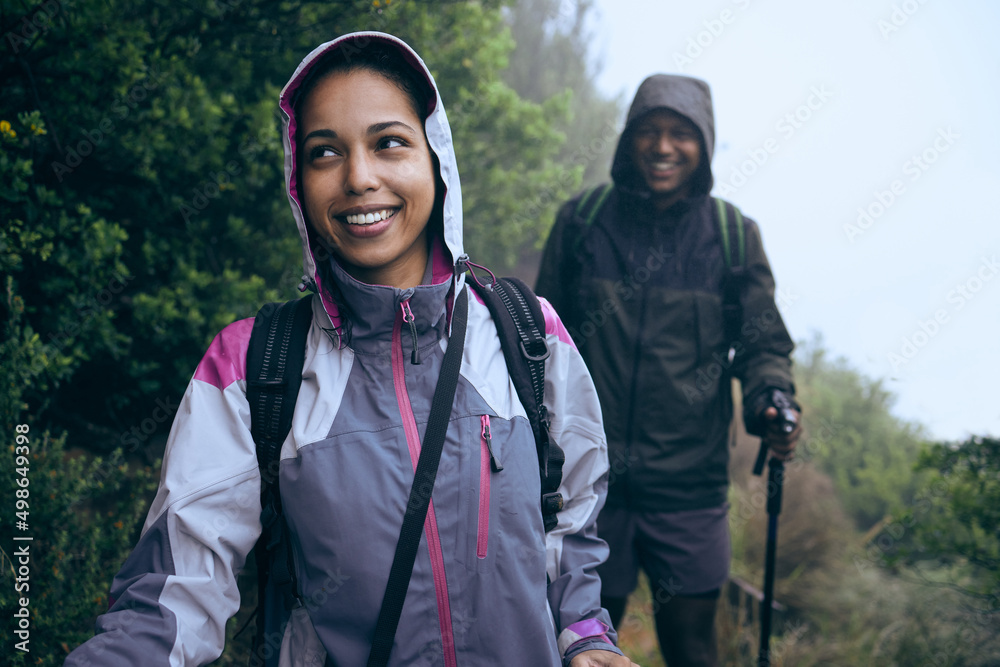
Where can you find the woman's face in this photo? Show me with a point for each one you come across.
(367, 176)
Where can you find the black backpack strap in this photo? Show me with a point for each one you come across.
(420, 492)
(733, 237)
(275, 357)
(521, 329)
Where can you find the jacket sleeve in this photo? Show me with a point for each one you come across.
(573, 549)
(763, 355)
(557, 271)
(177, 589)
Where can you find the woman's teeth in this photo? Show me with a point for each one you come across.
(368, 218)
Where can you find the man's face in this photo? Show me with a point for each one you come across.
(666, 150)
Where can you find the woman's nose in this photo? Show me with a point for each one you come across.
(360, 176)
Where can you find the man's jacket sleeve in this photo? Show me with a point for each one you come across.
(556, 272)
(174, 594)
(573, 549)
(763, 356)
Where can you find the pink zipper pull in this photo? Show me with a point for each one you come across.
(488, 439)
(408, 318)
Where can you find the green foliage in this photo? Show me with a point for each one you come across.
(553, 57)
(82, 514)
(552, 63)
(955, 522)
(148, 209)
(852, 436)
(142, 189)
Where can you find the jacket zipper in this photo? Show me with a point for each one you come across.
(487, 460)
(409, 319)
(430, 524)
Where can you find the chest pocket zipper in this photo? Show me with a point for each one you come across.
(487, 462)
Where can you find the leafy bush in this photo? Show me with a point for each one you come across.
(82, 515)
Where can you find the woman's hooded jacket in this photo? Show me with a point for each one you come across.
(479, 592)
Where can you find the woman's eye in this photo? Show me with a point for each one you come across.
(317, 152)
(390, 142)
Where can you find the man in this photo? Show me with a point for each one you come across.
(639, 274)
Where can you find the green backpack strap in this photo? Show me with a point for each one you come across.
(732, 233)
(591, 202)
(587, 208)
(730, 221)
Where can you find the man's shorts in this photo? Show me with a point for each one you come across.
(686, 553)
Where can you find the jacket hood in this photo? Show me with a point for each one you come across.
(690, 97)
(444, 251)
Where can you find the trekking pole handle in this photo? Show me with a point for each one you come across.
(758, 465)
(787, 420)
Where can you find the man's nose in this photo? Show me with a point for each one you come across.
(664, 145)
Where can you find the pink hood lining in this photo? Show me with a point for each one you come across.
(444, 252)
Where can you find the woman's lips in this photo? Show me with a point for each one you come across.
(366, 225)
(370, 217)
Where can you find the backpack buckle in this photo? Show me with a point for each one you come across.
(268, 386)
(538, 346)
(552, 503)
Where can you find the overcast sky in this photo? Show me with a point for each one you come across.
(822, 109)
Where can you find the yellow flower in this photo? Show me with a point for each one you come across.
(6, 129)
(37, 130)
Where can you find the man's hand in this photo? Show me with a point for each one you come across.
(599, 658)
(781, 444)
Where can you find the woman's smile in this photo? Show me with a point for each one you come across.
(368, 180)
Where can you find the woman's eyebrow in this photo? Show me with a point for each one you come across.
(328, 134)
(381, 127)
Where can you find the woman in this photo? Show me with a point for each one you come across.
(374, 188)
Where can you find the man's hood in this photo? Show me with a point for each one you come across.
(438, 137)
(685, 95)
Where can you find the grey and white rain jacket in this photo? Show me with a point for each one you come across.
(479, 593)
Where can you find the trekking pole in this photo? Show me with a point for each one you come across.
(775, 480)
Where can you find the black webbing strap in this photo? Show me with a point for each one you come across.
(521, 329)
(420, 492)
(732, 235)
(275, 356)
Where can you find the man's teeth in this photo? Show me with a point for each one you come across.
(368, 218)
